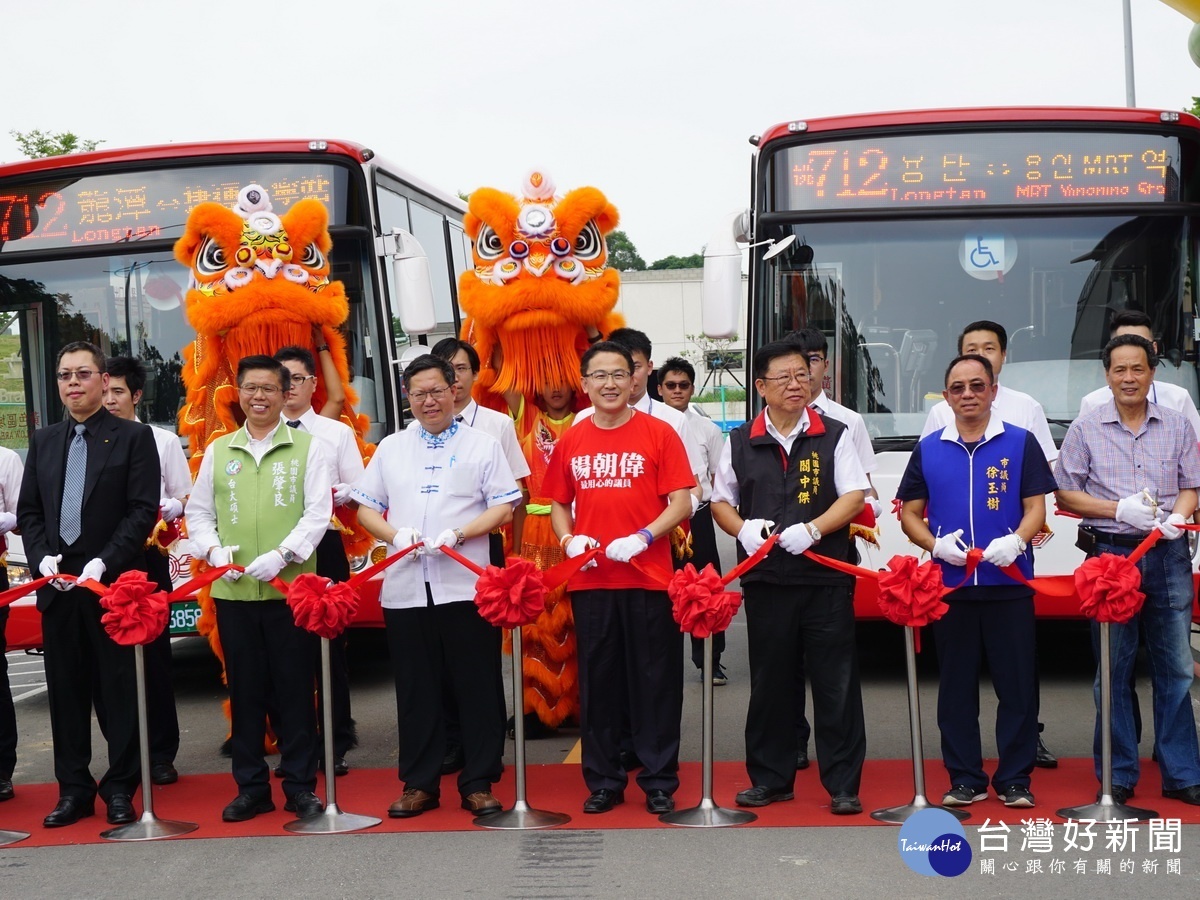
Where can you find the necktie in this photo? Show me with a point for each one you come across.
(69, 513)
(293, 423)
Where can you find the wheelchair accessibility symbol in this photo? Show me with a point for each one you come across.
(987, 256)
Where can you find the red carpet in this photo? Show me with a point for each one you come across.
(559, 788)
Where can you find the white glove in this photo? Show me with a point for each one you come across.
(1003, 551)
(170, 508)
(49, 568)
(446, 539)
(876, 507)
(405, 538)
(1136, 512)
(751, 534)
(948, 549)
(1170, 528)
(266, 566)
(695, 504)
(223, 556)
(580, 544)
(341, 494)
(94, 570)
(624, 549)
(795, 539)
(8, 521)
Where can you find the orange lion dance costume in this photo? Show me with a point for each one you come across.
(540, 285)
(258, 282)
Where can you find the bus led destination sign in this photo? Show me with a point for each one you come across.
(983, 168)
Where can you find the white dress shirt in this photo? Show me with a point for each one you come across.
(711, 440)
(175, 478)
(339, 448)
(1013, 407)
(854, 425)
(501, 427)
(302, 539)
(672, 417)
(432, 482)
(1172, 396)
(848, 474)
(10, 480)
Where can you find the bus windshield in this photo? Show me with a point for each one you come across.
(893, 296)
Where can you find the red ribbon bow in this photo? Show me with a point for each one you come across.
(137, 611)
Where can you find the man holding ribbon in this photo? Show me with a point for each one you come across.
(1129, 467)
(982, 484)
(794, 470)
(88, 500)
(262, 500)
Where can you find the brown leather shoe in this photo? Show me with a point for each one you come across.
(481, 803)
(413, 802)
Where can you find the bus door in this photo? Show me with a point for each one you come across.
(24, 387)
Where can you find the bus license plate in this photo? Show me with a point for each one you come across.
(184, 616)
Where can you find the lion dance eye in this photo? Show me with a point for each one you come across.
(488, 244)
(518, 249)
(589, 244)
(560, 247)
(210, 258)
(313, 258)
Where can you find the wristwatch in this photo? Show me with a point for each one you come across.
(814, 531)
(288, 556)
(460, 538)
(1021, 545)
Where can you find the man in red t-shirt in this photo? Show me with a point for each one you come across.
(621, 480)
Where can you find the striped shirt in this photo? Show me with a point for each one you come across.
(1103, 458)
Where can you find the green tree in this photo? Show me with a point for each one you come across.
(37, 144)
(622, 255)
(1194, 109)
(695, 261)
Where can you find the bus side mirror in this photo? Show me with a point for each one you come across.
(412, 298)
(721, 290)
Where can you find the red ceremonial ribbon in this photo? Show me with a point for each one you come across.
(21, 590)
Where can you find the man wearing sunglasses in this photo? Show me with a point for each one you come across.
(982, 483)
(262, 500)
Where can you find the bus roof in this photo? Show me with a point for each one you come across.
(998, 114)
(206, 149)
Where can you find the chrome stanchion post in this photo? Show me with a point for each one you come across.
(12, 837)
(148, 827)
(896, 815)
(521, 816)
(707, 814)
(332, 820)
(1106, 809)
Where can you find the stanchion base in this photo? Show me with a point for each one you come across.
(898, 815)
(707, 815)
(332, 821)
(12, 837)
(149, 828)
(1109, 811)
(522, 818)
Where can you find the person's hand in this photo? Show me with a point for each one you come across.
(404, 538)
(1003, 551)
(266, 566)
(93, 571)
(223, 556)
(949, 548)
(341, 494)
(752, 534)
(876, 507)
(1136, 512)
(49, 568)
(1170, 528)
(446, 539)
(8, 521)
(578, 545)
(695, 504)
(795, 539)
(624, 549)
(170, 508)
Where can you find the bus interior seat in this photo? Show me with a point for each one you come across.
(917, 349)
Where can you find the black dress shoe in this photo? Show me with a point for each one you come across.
(340, 766)
(1120, 794)
(1189, 794)
(69, 811)
(802, 758)
(630, 761)
(305, 804)
(454, 760)
(245, 807)
(603, 800)
(659, 802)
(6, 789)
(120, 810)
(763, 796)
(1045, 759)
(163, 773)
(845, 805)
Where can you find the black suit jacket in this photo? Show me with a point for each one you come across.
(120, 497)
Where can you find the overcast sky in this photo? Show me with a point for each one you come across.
(650, 101)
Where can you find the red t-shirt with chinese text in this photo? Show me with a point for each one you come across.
(618, 479)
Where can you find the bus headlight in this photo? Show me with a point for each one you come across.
(18, 574)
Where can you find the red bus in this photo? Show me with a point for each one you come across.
(85, 254)
(903, 227)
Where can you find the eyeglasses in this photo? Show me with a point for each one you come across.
(620, 376)
(978, 386)
(676, 385)
(65, 375)
(786, 379)
(298, 380)
(815, 359)
(250, 390)
(422, 396)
